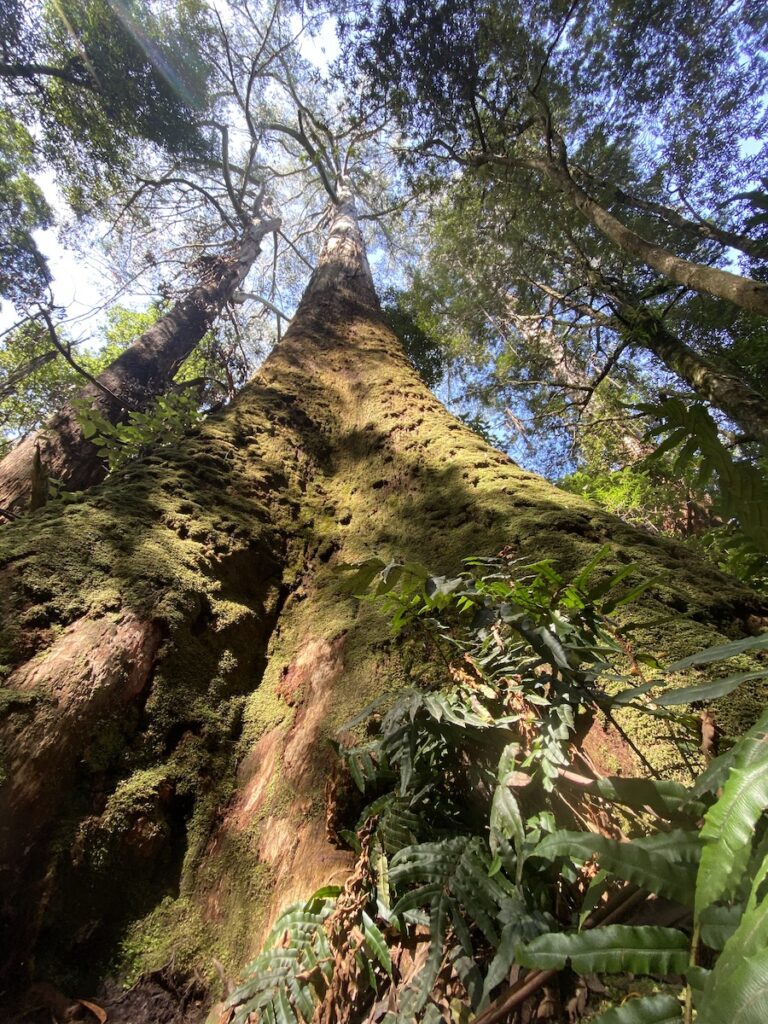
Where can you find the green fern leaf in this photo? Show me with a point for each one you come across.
(707, 691)
(377, 943)
(729, 824)
(457, 869)
(283, 1011)
(301, 998)
(506, 819)
(741, 996)
(398, 825)
(721, 652)
(669, 799)
(660, 1009)
(751, 744)
(660, 863)
(416, 992)
(719, 923)
(272, 987)
(468, 973)
(502, 961)
(615, 949)
(742, 958)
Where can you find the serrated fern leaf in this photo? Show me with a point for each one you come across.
(661, 864)
(669, 799)
(283, 1011)
(377, 943)
(741, 995)
(729, 824)
(458, 867)
(416, 992)
(716, 773)
(276, 984)
(747, 945)
(398, 825)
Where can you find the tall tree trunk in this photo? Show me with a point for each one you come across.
(747, 408)
(742, 291)
(701, 228)
(138, 375)
(179, 647)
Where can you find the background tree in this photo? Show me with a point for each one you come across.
(544, 131)
(93, 81)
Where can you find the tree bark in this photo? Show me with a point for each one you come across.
(138, 375)
(180, 648)
(32, 72)
(742, 404)
(703, 229)
(741, 291)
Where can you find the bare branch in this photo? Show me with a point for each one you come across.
(65, 350)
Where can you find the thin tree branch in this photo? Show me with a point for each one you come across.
(28, 71)
(66, 352)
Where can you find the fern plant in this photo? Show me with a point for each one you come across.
(289, 976)
(164, 422)
(484, 848)
(726, 895)
(688, 433)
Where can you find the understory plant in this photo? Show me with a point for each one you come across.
(736, 484)
(164, 422)
(492, 857)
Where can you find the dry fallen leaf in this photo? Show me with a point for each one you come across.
(99, 1013)
(516, 780)
(709, 735)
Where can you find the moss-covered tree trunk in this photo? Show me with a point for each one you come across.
(141, 373)
(178, 649)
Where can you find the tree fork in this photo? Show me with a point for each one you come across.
(138, 375)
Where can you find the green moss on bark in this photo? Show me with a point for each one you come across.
(230, 542)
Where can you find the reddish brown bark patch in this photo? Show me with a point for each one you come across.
(88, 675)
(289, 840)
(302, 859)
(311, 674)
(253, 777)
(315, 669)
(609, 752)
